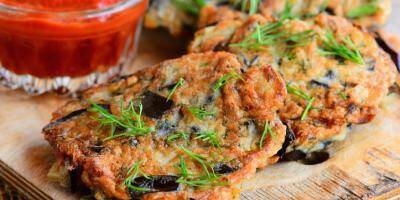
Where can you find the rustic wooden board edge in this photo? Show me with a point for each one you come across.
(22, 185)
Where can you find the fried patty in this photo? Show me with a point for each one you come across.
(354, 10)
(328, 92)
(170, 14)
(156, 119)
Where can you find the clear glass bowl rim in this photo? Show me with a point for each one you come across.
(11, 10)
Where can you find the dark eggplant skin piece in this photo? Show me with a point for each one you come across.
(76, 184)
(289, 138)
(223, 168)
(70, 116)
(293, 156)
(154, 105)
(158, 183)
(312, 158)
(393, 54)
(318, 83)
(315, 157)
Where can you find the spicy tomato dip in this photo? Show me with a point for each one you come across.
(52, 38)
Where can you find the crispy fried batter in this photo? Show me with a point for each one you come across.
(163, 13)
(345, 92)
(243, 107)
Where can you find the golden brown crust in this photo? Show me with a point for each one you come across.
(242, 108)
(345, 92)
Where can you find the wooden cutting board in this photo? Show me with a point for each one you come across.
(364, 166)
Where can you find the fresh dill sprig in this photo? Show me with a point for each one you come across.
(287, 11)
(183, 167)
(343, 95)
(272, 34)
(307, 109)
(299, 39)
(180, 82)
(225, 79)
(200, 113)
(347, 50)
(363, 10)
(134, 172)
(129, 120)
(267, 131)
(252, 6)
(189, 6)
(178, 135)
(202, 181)
(209, 136)
(210, 179)
(300, 93)
(200, 159)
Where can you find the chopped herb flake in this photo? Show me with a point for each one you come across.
(189, 6)
(134, 172)
(363, 10)
(207, 180)
(129, 120)
(343, 95)
(300, 93)
(178, 135)
(272, 34)
(225, 79)
(347, 50)
(180, 82)
(200, 113)
(307, 109)
(209, 136)
(267, 131)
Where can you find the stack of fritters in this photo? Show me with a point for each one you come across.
(197, 126)
(334, 71)
(178, 15)
(187, 128)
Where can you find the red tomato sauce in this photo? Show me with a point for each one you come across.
(45, 45)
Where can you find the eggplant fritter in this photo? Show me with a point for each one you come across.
(336, 74)
(188, 128)
(176, 15)
(366, 13)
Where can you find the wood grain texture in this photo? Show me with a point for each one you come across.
(364, 166)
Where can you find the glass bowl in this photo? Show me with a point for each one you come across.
(67, 45)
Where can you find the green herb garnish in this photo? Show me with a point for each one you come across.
(177, 135)
(210, 179)
(225, 79)
(347, 50)
(129, 120)
(272, 34)
(363, 10)
(267, 131)
(209, 136)
(300, 93)
(287, 11)
(200, 159)
(202, 181)
(180, 82)
(343, 95)
(307, 109)
(183, 168)
(200, 113)
(190, 6)
(134, 172)
(253, 7)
